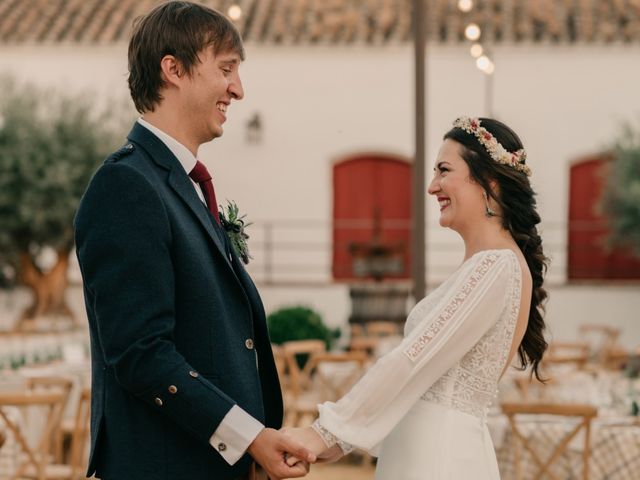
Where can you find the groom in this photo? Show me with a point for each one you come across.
(184, 384)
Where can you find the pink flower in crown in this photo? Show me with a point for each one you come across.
(497, 152)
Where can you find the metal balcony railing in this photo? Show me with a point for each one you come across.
(300, 252)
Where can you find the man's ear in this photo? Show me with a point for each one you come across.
(171, 70)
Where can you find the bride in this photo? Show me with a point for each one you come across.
(422, 408)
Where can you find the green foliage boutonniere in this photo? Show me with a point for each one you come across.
(234, 226)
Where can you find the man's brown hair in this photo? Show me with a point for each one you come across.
(181, 29)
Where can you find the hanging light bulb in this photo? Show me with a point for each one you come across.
(472, 32)
(483, 62)
(234, 12)
(465, 5)
(490, 68)
(476, 50)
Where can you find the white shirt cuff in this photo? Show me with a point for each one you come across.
(235, 433)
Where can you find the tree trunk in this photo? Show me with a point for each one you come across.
(48, 288)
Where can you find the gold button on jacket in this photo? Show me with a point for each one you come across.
(249, 344)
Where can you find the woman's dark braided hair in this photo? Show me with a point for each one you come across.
(519, 216)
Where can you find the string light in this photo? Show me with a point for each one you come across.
(234, 12)
(483, 62)
(465, 5)
(476, 50)
(490, 68)
(472, 32)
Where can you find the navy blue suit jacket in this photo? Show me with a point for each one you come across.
(170, 311)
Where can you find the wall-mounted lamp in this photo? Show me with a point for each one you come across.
(254, 129)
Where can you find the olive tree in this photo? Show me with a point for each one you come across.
(50, 144)
(621, 198)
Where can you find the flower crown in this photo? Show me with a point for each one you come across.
(496, 151)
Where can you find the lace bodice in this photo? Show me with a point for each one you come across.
(455, 348)
(471, 385)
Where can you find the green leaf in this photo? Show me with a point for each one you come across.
(50, 145)
(621, 197)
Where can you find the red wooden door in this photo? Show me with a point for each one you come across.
(588, 256)
(371, 218)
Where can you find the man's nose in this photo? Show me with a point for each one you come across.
(235, 88)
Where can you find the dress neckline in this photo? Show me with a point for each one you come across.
(488, 251)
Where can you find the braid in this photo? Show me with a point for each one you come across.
(520, 218)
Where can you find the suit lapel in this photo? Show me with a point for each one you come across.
(184, 189)
(249, 288)
(178, 181)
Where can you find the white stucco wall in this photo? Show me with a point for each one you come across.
(318, 104)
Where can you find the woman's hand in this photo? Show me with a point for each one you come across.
(333, 454)
(308, 437)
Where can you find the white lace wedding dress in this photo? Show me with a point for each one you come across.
(422, 407)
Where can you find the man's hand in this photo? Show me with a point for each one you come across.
(271, 448)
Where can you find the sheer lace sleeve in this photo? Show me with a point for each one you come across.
(471, 305)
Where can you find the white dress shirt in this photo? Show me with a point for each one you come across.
(238, 429)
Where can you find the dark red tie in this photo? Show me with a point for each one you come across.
(201, 176)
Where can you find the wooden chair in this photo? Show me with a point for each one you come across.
(522, 384)
(608, 334)
(603, 339)
(281, 366)
(615, 358)
(298, 375)
(332, 375)
(585, 414)
(577, 353)
(279, 359)
(331, 388)
(47, 468)
(56, 384)
(298, 378)
(357, 330)
(328, 376)
(79, 436)
(367, 345)
(381, 328)
(76, 467)
(34, 460)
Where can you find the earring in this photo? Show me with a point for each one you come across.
(488, 211)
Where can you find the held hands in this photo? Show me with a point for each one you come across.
(272, 448)
(308, 437)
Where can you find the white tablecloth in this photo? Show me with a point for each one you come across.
(615, 447)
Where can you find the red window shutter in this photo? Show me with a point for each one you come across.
(371, 216)
(588, 255)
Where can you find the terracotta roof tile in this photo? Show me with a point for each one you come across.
(304, 22)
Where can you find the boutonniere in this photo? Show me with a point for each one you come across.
(234, 225)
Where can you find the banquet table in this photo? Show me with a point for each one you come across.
(615, 447)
